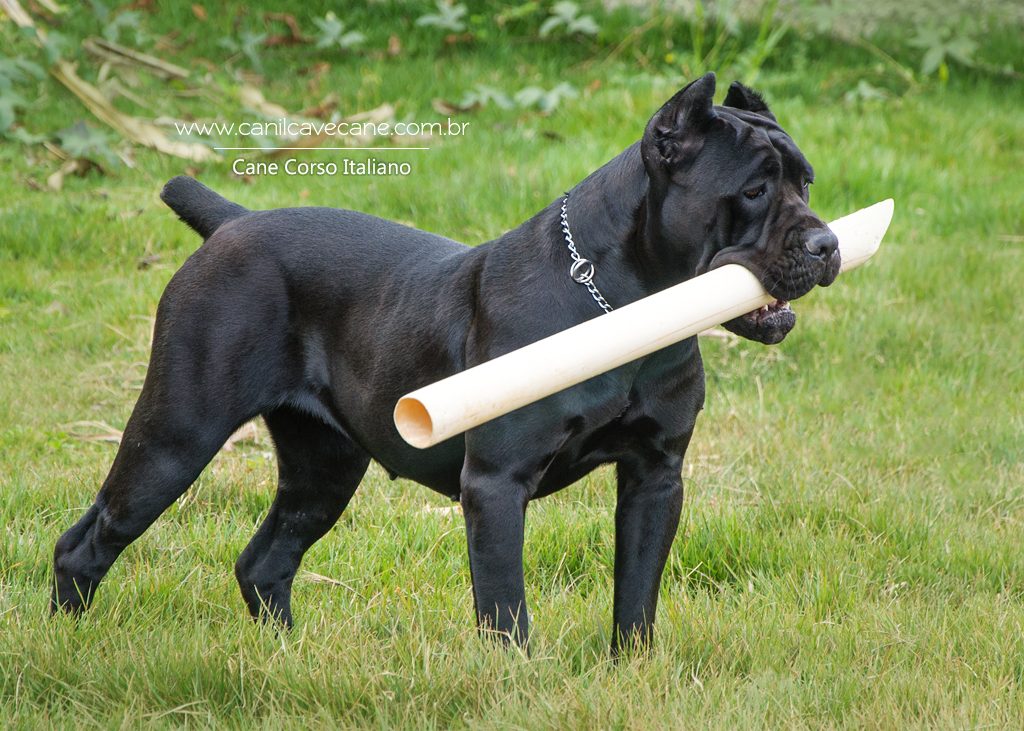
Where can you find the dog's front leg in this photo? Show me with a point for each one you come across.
(495, 509)
(650, 498)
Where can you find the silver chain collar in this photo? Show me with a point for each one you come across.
(582, 270)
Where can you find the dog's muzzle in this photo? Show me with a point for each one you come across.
(823, 245)
(810, 257)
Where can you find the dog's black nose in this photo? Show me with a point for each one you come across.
(821, 242)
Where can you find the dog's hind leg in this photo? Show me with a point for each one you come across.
(319, 468)
(220, 358)
(158, 459)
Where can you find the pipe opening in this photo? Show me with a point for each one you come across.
(414, 422)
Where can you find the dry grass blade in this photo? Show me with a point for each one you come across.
(321, 579)
(133, 128)
(70, 167)
(124, 56)
(720, 334)
(324, 108)
(377, 115)
(94, 431)
(253, 98)
(100, 431)
(294, 35)
(17, 13)
(442, 509)
(248, 432)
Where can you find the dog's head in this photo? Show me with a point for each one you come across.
(729, 186)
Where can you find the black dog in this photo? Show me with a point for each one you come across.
(319, 319)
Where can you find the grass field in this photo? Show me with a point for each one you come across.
(851, 549)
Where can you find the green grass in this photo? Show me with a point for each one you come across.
(850, 553)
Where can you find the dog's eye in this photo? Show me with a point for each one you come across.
(754, 192)
(807, 183)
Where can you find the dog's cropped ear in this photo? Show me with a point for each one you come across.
(675, 133)
(745, 98)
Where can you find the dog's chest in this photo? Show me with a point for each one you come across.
(581, 454)
(660, 406)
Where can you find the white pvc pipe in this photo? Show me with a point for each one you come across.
(471, 397)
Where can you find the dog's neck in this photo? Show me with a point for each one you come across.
(613, 218)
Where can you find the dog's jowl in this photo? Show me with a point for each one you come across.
(319, 319)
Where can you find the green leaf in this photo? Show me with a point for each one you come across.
(585, 25)
(250, 44)
(529, 96)
(332, 33)
(54, 46)
(101, 11)
(566, 9)
(18, 70)
(22, 135)
(352, 38)
(31, 68)
(484, 95)
(7, 115)
(865, 91)
(518, 12)
(127, 20)
(330, 30)
(448, 17)
(962, 49)
(928, 37)
(932, 59)
(549, 25)
(85, 142)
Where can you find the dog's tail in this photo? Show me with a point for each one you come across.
(198, 206)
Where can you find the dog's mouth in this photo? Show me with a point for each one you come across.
(768, 324)
(771, 323)
(772, 314)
